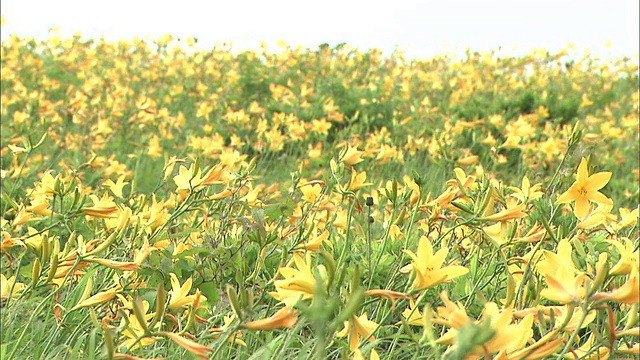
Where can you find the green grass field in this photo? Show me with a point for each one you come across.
(160, 201)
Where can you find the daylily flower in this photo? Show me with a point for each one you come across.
(179, 297)
(628, 293)
(627, 218)
(585, 351)
(542, 348)
(357, 181)
(373, 355)
(311, 192)
(357, 328)
(116, 187)
(7, 284)
(511, 212)
(412, 315)
(527, 192)
(387, 294)
(351, 156)
(187, 180)
(285, 317)
(298, 283)
(315, 243)
(565, 283)
(199, 350)
(508, 337)
(628, 262)
(585, 189)
(428, 267)
(228, 320)
(102, 207)
(134, 330)
(452, 315)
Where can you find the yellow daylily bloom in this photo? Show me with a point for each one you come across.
(357, 328)
(357, 180)
(412, 315)
(526, 192)
(235, 338)
(7, 284)
(315, 243)
(542, 348)
(102, 207)
(387, 294)
(373, 355)
(585, 351)
(628, 262)
(565, 283)
(351, 156)
(178, 294)
(199, 350)
(298, 283)
(508, 338)
(428, 267)
(187, 180)
(135, 330)
(511, 212)
(585, 189)
(311, 192)
(116, 187)
(628, 293)
(627, 218)
(285, 317)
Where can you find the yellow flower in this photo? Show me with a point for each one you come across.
(585, 189)
(235, 338)
(116, 187)
(628, 293)
(285, 317)
(512, 212)
(412, 315)
(627, 218)
(351, 156)
(314, 244)
(357, 181)
(526, 192)
(199, 350)
(387, 294)
(311, 192)
(427, 266)
(373, 355)
(453, 315)
(7, 284)
(357, 328)
(99, 298)
(585, 351)
(508, 337)
(179, 297)
(187, 179)
(565, 283)
(628, 262)
(135, 330)
(102, 207)
(298, 283)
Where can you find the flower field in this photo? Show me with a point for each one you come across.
(161, 201)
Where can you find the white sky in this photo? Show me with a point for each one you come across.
(420, 27)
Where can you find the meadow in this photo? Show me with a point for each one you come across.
(165, 202)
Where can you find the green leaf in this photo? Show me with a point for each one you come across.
(210, 290)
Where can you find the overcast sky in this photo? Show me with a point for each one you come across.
(420, 27)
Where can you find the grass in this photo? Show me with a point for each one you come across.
(166, 202)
